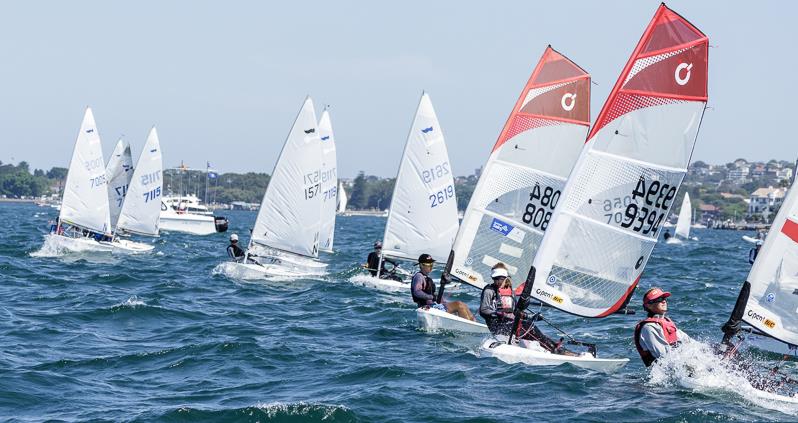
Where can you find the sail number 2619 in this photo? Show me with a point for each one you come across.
(441, 196)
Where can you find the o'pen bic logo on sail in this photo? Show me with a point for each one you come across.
(507, 230)
(564, 102)
(678, 74)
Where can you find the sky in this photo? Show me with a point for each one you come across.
(223, 81)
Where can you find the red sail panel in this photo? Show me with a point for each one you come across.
(557, 91)
(669, 64)
(790, 229)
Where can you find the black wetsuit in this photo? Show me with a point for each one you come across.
(235, 252)
(373, 262)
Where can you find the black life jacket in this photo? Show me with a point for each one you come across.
(668, 329)
(429, 288)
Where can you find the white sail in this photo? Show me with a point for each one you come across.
(118, 172)
(142, 208)
(423, 214)
(772, 301)
(329, 183)
(522, 181)
(342, 200)
(685, 218)
(624, 183)
(85, 200)
(291, 208)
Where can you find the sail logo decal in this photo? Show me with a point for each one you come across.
(678, 74)
(770, 297)
(762, 319)
(153, 150)
(556, 298)
(325, 138)
(501, 227)
(565, 104)
(790, 229)
(310, 131)
(552, 280)
(89, 131)
(463, 274)
(427, 130)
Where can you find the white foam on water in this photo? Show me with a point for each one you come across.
(695, 366)
(133, 302)
(52, 247)
(279, 409)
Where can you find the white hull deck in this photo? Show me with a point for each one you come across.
(86, 244)
(434, 320)
(195, 224)
(252, 271)
(532, 354)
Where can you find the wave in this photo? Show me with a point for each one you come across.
(275, 411)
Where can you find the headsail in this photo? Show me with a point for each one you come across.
(142, 208)
(329, 183)
(85, 201)
(626, 178)
(118, 172)
(685, 217)
(342, 200)
(521, 183)
(423, 214)
(769, 297)
(291, 208)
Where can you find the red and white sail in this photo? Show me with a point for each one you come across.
(624, 183)
(521, 184)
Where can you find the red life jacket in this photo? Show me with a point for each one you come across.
(506, 299)
(520, 289)
(668, 329)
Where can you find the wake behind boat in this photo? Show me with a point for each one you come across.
(285, 238)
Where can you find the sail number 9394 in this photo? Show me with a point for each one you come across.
(648, 207)
(540, 206)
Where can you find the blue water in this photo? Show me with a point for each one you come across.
(158, 337)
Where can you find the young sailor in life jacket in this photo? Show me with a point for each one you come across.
(422, 288)
(496, 302)
(656, 334)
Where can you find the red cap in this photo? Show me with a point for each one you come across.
(654, 293)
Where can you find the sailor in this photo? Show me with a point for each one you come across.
(422, 288)
(497, 317)
(666, 235)
(233, 250)
(754, 251)
(373, 261)
(656, 334)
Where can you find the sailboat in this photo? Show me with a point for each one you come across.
(329, 183)
(589, 261)
(522, 181)
(683, 222)
(84, 222)
(141, 209)
(423, 213)
(285, 238)
(342, 199)
(119, 171)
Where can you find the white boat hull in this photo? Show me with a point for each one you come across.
(252, 271)
(434, 320)
(131, 247)
(534, 355)
(195, 224)
(77, 245)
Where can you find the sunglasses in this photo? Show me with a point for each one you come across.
(657, 300)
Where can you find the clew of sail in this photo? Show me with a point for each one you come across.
(141, 210)
(769, 297)
(423, 214)
(522, 181)
(118, 173)
(342, 200)
(290, 212)
(85, 200)
(329, 183)
(626, 178)
(685, 217)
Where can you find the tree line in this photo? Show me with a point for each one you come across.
(18, 181)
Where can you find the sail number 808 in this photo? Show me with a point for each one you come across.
(535, 212)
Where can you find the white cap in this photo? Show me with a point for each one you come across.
(498, 272)
(233, 237)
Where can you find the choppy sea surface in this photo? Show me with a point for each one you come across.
(159, 337)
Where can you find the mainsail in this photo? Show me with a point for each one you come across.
(423, 214)
(685, 217)
(329, 183)
(769, 297)
(522, 181)
(624, 183)
(142, 208)
(342, 200)
(118, 172)
(290, 212)
(85, 201)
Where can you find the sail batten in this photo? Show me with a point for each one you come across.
(522, 180)
(627, 177)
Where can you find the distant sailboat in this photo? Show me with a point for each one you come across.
(119, 172)
(423, 213)
(342, 199)
(285, 238)
(329, 183)
(683, 223)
